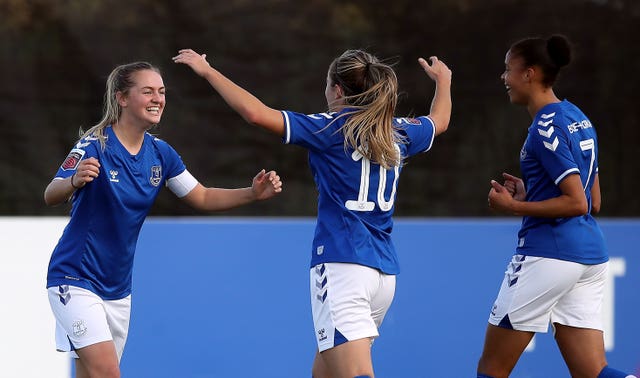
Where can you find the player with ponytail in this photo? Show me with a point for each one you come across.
(356, 153)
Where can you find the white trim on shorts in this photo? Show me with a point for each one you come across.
(348, 302)
(83, 319)
(538, 291)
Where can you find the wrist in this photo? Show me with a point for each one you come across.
(72, 185)
(208, 73)
(514, 208)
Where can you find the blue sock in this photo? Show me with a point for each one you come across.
(608, 372)
(484, 376)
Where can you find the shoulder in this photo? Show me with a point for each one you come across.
(546, 127)
(414, 127)
(89, 144)
(161, 145)
(567, 118)
(156, 141)
(319, 118)
(303, 124)
(405, 122)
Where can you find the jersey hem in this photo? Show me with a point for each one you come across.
(389, 271)
(87, 286)
(565, 257)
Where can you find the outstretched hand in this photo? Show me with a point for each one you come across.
(197, 62)
(266, 185)
(437, 70)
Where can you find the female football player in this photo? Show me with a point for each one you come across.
(112, 176)
(560, 264)
(356, 153)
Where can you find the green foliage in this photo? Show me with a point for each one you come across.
(55, 56)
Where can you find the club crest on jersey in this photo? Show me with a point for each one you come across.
(523, 150)
(73, 159)
(156, 175)
(523, 153)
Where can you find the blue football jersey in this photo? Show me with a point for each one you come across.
(561, 142)
(97, 246)
(355, 196)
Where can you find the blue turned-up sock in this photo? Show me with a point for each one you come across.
(608, 372)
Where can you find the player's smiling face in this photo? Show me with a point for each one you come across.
(145, 101)
(516, 79)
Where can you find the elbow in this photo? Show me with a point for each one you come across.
(251, 116)
(47, 197)
(595, 208)
(441, 123)
(444, 125)
(48, 200)
(581, 208)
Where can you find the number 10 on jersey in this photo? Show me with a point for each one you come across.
(361, 204)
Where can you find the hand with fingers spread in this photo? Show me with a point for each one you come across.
(197, 62)
(441, 104)
(437, 70)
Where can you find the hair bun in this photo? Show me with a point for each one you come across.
(559, 50)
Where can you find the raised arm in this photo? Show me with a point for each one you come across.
(244, 103)
(441, 103)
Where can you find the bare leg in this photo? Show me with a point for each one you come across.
(502, 349)
(98, 361)
(582, 350)
(320, 369)
(347, 360)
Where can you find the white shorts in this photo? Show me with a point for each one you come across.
(537, 291)
(348, 302)
(83, 319)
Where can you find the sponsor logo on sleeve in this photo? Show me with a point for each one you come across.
(73, 159)
(408, 121)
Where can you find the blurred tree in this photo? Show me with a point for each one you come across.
(55, 56)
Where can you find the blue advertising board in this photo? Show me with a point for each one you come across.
(229, 297)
